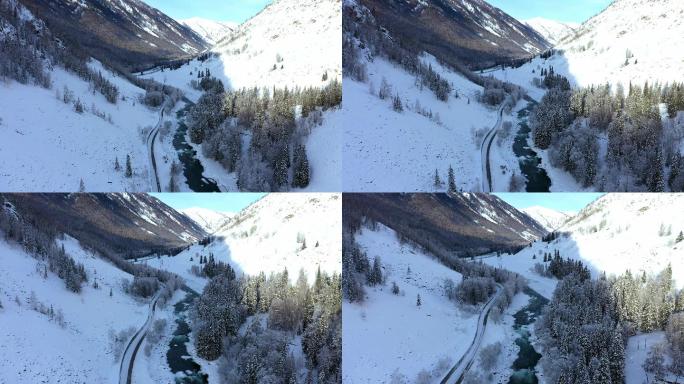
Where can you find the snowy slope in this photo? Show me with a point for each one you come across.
(615, 233)
(391, 151)
(300, 37)
(210, 30)
(549, 218)
(598, 52)
(645, 28)
(553, 31)
(263, 236)
(49, 147)
(388, 333)
(35, 349)
(208, 219)
(628, 233)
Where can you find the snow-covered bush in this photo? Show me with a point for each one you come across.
(117, 341)
(154, 335)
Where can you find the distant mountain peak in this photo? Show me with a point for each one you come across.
(210, 30)
(552, 30)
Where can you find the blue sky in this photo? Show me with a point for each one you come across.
(561, 10)
(559, 201)
(219, 10)
(224, 202)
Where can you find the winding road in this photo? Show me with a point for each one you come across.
(151, 138)
(485, 149)
(128, 358)
(458, 371)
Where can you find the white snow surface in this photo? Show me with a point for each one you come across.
(389, 151)
(615, 233)
(388, 333)
(552, 30)
(33, 348)
(263, 236)
(48, 147)
(304, 34)
(597, 52)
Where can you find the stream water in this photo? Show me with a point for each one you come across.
(537, 179)
(187, 371)
(192, 167)
(524, 366)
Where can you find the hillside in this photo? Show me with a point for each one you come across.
(289, 43)
(550, 219)
(553, 31)
(127, 225)
(616, 233)
(469, 31)
(128, 33)
(388, 332)
(293, 231)
(628, 42)
(461, 225)
(403, 91)
(631, 41)
(36, 347)
(72, 121)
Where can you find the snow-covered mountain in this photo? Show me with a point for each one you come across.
(38, 347)
(71, 120)
(289, 43)
(553, 31)
(126, 32)
(379, 159)
(431, 334)
(294, 231)
(630, 41)
(209, 220)
(467, 31)
(462, 224)
(615, 233)
(123, 224)
(549, 218)
(211, 30)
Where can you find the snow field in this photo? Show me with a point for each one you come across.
(263, 237)
(35, 349)
(49, 147)
(388, 334)
(395, 151)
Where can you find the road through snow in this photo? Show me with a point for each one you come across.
(151, 137)
(456, 374)
(128, 358)
(484, 150)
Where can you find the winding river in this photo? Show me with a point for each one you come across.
(182, 365)
(192, 167)
(537, 179)
(524, 366)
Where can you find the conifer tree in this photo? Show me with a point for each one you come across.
(452, 181)
(129, 168)
(438, 181)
